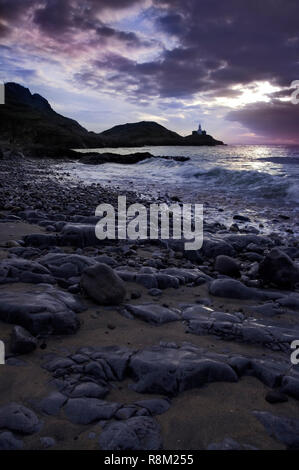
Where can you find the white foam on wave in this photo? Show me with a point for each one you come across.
(236, 171)
(252, 183)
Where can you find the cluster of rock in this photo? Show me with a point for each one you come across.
(48, 279)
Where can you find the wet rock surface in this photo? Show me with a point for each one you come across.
(153, 313)
(41, 310)
(284, 429)
(137, 433)
(236, 327)
(18, 418)
(21, 270)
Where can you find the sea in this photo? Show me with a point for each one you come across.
(252, 179)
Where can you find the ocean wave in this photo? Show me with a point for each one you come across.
(234, 174)
(252, 183)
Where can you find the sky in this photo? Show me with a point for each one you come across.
(228, 64)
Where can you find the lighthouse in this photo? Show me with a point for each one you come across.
(199, 131)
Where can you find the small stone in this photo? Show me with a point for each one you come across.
(155, 292)
(47, 442)
(275, 396)
(135, 295)
(241, 218)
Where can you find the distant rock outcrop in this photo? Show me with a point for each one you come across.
(138, 134)
(203, 139)
(150, 133)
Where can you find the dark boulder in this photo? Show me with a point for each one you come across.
(278, 268)
(274, 396)
(227, 265)
(103, 285)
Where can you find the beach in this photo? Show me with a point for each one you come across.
(188, 350)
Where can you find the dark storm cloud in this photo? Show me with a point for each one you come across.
(13, 9)
(11, 12)
(209, 46)
(219, 45)
(57, 18)
(175, 76)
(255, 40)
(276, 119)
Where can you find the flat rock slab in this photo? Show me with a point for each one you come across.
(62, 265)
(153, 313)
(235, 327)
(166, 370)
(152, 278)
(232, 289)
(44, 309)
(169, 370)
(100, 365)
(184, 275)
(22, 270)
(137, 433)
(17, 418)
(89, 410)
(285, 430)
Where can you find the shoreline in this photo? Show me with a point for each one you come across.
(169, 315)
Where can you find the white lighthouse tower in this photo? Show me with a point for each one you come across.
(199, 130)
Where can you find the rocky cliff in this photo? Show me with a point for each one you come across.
(28, 119)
